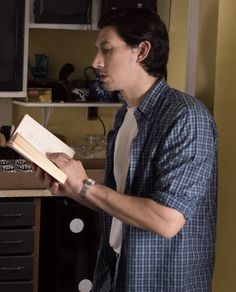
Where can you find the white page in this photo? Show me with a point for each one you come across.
(42, 139)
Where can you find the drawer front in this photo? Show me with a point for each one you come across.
(16, 241)
(16, 268)
(14, 214)
(16, 287)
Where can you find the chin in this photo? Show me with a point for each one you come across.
(108, 87)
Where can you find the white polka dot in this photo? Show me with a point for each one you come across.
(85, 285)
(76, 225)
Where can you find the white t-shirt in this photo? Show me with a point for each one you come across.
(126, 134)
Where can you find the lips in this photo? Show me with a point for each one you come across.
(101, 73)
(102, 77)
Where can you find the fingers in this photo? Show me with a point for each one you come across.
(60, 159)
(49, 181)
(39, 173)
(75, 171)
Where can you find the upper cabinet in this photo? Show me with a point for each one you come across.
(60, 11)
(113, 4)
(61, 14)
(13, 49)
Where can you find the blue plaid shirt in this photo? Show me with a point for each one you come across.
(173, 160)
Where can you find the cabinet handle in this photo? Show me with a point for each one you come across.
(11, 268)
(12, 242)
(11, 215)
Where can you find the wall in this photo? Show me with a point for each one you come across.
(5, 111)
(224, 111)
(206, 58)
(178, 43)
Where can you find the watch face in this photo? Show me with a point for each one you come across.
(90, 181)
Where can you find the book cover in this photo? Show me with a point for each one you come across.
(33, 141)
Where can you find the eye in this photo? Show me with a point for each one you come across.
(106, 50)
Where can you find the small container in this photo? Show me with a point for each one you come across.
(39, 95)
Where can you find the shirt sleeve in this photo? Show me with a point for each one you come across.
(185, 168)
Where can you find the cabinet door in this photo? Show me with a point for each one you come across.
(12, 44)
(112, 4)
(13, 214)
(16, 241)
(68, 246)
(16, 286)
(60, 11)
(16, 268)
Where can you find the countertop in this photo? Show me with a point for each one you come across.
(37, 191)
(24, 193)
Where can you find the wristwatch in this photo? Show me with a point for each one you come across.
(87, 182)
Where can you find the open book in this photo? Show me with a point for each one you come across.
(33, 141)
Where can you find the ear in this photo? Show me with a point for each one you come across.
(143, 50)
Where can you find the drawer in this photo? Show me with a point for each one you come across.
(13, 214)
(16, 268)
(16, 286)
(16, 241)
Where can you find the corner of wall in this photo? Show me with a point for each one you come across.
(5, 111)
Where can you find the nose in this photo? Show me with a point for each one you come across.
(98, 61)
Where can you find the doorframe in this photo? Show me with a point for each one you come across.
(192, 46)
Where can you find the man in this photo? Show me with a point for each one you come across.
(158, 204)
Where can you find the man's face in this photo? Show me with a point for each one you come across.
(115, 61)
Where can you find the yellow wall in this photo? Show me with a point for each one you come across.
(178, 43)
(206, 59)
(63, 46)
(225, 115)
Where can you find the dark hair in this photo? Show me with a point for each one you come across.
(135, 25)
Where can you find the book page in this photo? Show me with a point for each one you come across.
(42, 139)
(23, 147)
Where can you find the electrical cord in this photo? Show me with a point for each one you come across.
(103, 125)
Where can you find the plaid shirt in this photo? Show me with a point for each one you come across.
(173, 160)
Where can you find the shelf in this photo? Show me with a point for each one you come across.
(62, 26)
(66, 104)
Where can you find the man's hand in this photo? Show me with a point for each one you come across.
(75, 175)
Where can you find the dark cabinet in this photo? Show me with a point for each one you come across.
(12, 44)
(112, 4)
(69, 239)
(17, 253)
(60, 11)
(47, 244)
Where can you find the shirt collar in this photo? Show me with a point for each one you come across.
(151, 99)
